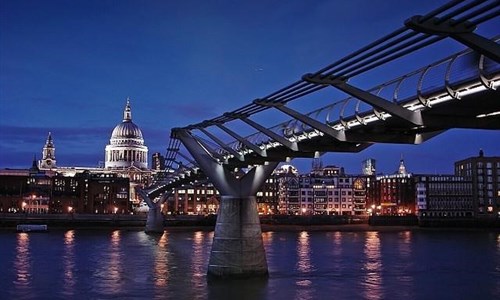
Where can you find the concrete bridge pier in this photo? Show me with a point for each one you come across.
(237, 249)
(154, 220)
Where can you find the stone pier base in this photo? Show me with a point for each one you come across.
(237, 249)
(154, 221)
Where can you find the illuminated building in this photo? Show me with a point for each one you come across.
(158, 162)
(36, 191)
(126, 146)
(285, 189)
(126, 158)
(485, 174)
(359, 195)
(325, 190)
(198, 198)
(369, 167)
(392, 194)
(444, 196)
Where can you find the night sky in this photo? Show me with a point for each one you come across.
(68, 67)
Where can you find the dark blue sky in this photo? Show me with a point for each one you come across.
(68, 67)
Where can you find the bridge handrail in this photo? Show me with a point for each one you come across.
(431, 92)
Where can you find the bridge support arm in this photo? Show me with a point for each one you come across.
(377, 102)
(325, 129)
(285, 142)
(220, 176)
(462, 32)
(222, 144)
(242, 140)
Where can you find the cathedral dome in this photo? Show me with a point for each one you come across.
(126, 129)
(126, 147)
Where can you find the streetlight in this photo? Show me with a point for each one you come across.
(304, 210)
(70, 209)
(115, 209)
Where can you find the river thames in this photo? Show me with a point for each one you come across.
(128, 264)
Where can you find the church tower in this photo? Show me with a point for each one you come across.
(48, 160)
(402, 167)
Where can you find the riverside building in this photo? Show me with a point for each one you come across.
(484, 172)
(444, 196)
(392, 194)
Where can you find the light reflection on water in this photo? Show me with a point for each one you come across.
(162, 273)
(22, 264)
(109, 271)
(304, 266)
(372, 267)
(198, 268)
(404, 279)
(79, 264)
(69, 267)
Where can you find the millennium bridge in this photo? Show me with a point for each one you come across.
(454, 90)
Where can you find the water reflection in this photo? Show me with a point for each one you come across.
(498, 242)
(198, 266)
(372, 267)
(304, 265)
(404, 279)
(404, 244)
(68, 260)
(22, 263)
(304, 253)
(497, 269)
(337, 244)
(109, 274)
(267, 238)
(162, 274)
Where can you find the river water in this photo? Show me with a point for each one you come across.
(122, 264)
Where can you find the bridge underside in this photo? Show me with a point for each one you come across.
(469, 112)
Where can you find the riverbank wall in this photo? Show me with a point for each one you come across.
(279, 222)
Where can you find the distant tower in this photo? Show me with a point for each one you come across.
(369, 166)
(317, 163)
(48, 160)
(402, 168)
(158, 162)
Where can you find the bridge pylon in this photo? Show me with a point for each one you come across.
(154, 220)
(237, 249)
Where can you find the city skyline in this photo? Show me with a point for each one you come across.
(69, 68)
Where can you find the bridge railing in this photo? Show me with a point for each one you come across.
(443, 80)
